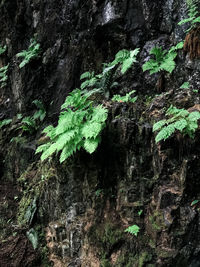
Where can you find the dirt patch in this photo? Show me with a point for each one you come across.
(17, 252)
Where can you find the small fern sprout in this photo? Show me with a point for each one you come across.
(29, 54)
(3, 76)
(3, 49)
(134, 229)
(126, 98)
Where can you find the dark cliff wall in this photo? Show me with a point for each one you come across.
(85, 204)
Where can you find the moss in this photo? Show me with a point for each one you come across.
(157, 221)
(164, 254)
(127, 260)
(24, 203)
(143, 258)
(152, 243)
(44, 253)
(34, 181)
(105, 237)
(105, 263)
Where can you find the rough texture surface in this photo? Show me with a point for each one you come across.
(84, 205)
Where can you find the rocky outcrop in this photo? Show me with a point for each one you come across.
(81, 208)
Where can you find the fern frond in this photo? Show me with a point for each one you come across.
(99, 114)
(165, 133)
(2, 49)
(158, 125)
(180, 124)
(64, 138)
(42, 148)
(49, 151)
(91, 130)
(127, 64)
(194, 116)
(91, 145)
(87, 75)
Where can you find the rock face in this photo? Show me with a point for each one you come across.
(84, 205)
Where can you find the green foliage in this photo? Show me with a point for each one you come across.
(179, 120)
(134, 229)
(98, 192)
(185, 85)
(194, 202)
(28, 124)
(164, 60)
(193, 15)
(3, 76)
(102, 82)
(30, 211)
(33, 237)
(140, 212)
(126, 98)
(41, 112)
(79, 126)
(2, 49)
(32, 52)
(5, 122)
(125, 58)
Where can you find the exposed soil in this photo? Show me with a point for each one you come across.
(15, 248)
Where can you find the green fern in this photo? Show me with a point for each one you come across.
(126, 98)
(104, 81)
(79, 126)
(3, 76)
(5, 122)
(41, 112)
(126, 59)
(134, 229)
(2, 49)
(32, 52)
(179, 120)
(193, 15)
(185, 85)
(164, 60)
(28, 124)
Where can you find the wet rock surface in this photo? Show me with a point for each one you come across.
(85, 204)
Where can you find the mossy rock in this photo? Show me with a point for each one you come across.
(105, 236)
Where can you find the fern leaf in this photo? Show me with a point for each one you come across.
(165, 133)
(5, 122)
(194, 116)
(168, 65)
(49, 152)
(185, 85)
(197, 20)
(65, 138)
(158, 125)
(180, 124)
(42, 148)
(134, 52)
(121, 56)
(134, 229)
(91, 145)
(66, 153)
(100, 114)
(87, 75)
(127, 64)
(91, 130)
(2, 49)
(151, 65)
